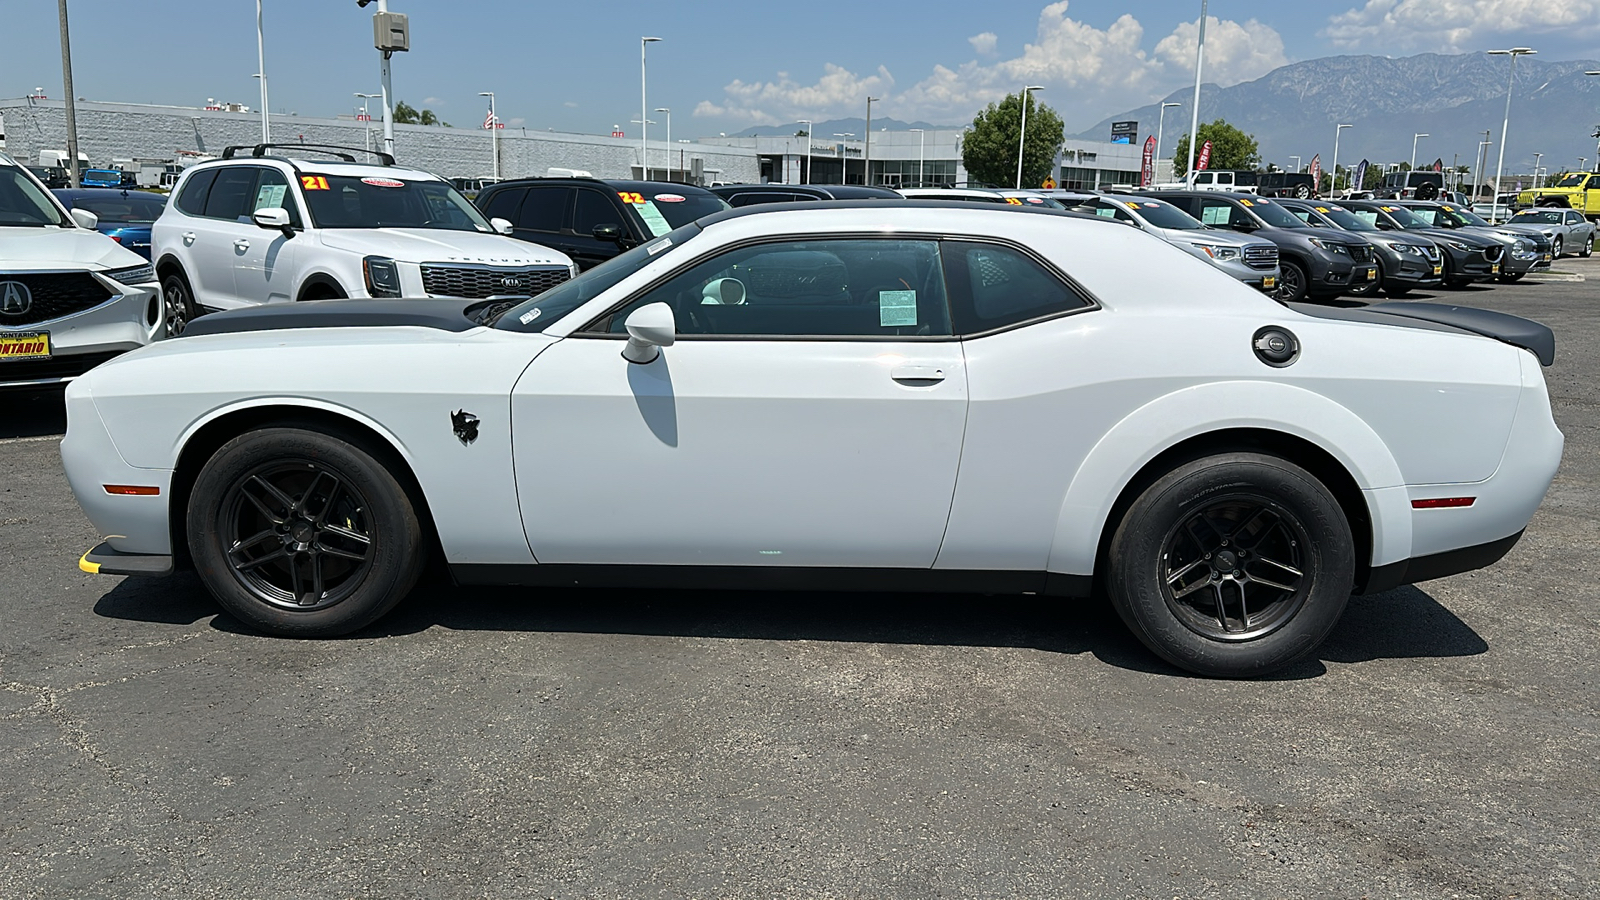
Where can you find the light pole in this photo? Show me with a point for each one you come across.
(844, 165)
(1536, 158)
(1333, 186)
(494, 133)
(1022, 134)
(644, 114)
(1194, 121)
(1597, 136)
(383, 72)
(1414, 139)
(366, 119)
(72, 99)
(922, 144)
(1161, 121)
(1505, 126)
(805, 177)
(866, 160)
(261, 73)
(669, 139)
(1479, 163)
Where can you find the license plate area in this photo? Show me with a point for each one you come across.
(1268, 283)
(24, 345)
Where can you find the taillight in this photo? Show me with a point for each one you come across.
(1443, 503)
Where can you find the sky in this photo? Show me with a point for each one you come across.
(723, 66)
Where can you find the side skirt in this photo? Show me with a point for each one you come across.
(775, 578)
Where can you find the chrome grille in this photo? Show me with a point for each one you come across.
(1261, 257)
(50, 295)
(477, 283)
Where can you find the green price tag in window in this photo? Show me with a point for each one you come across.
(897, 308)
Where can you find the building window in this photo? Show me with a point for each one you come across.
(904, 172)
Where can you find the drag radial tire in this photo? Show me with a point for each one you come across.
(1233, 565)
(303, 534)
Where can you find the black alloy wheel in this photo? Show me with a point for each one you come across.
(178, 304)
(1234, 565)
(1292, 283)
(304, 534)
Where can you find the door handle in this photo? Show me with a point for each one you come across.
(917, 376)
(241, 244)
(188, 238)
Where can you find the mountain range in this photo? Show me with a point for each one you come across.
(1453, 99)
(856, 126)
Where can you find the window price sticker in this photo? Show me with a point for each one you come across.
(897, 308)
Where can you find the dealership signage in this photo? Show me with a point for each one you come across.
(1124, 132)
(1205, 157)
(1147, 172)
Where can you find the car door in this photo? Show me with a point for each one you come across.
(597, 209)
(545, 211)
(810, 413)
(265, 271)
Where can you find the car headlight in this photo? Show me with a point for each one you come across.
(382, 276)
(1412, 249)
(572, 270)
(132, 274)
(1218, 252)
(1523, 250)
(1457, 245)
(1329, 246)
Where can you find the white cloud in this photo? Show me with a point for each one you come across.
(570, 104)
(1085, 70)
(516, 122)
(1456, 25)
(432, 101)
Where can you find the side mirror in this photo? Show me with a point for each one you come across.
(274, 217)
(501, 226)
(1245, 225)
(611, 233)
(650, 328)
(85, 218)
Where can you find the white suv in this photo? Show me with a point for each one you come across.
(70, 297)
(268, 229)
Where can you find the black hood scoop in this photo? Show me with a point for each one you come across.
(444, 315)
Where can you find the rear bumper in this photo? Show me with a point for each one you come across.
(1438, 565)
(132, 523)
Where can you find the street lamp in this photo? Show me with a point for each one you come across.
(844, 165)
(261, 73)
(866, 160)
(1333, 185)
(1536, 159)
(494, 133)
(1505, 126)
(1022, 136)
(1194, 122)
(669, 139)
(805, 176)
(922, 143)
(1161, 122)
(1414, 139)
(644, 114)
(366, 119)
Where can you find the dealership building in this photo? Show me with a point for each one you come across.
(112, 133)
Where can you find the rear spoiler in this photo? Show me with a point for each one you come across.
(1514, 330)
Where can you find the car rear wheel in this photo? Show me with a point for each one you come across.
(302, 534)
(1586, 249)
(1292, 283)
(1302, 191)
(1234, 565)
(178, 303)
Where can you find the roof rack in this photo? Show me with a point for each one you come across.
(260, 150)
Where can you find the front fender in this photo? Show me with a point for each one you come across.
(1170, 420)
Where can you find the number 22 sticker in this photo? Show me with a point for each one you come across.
(631, 197)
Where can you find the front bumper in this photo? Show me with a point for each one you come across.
(130, 319)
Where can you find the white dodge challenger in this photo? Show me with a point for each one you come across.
(924, 396)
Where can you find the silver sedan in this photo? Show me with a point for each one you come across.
(1568, 231)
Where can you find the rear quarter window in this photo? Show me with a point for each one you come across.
(993, 286)
(192, 198)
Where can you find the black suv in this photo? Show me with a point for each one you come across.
(1468, 256)
(1286, 184)
(590, 219)
(752, 194)
(1314, 263)
(1413, 185)
(1405, 261)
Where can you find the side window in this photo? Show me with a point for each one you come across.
(504, 204)
(1112, 211)
(273, 190)
(1303, 215)
(853, 287)
(1224, 178)
(544, 209)
(993, 286)
(1216, 212)
(1204, 178)
(232, 193)
(192, 199)
(1574, 218)
(593, 210)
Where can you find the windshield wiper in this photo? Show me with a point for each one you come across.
(489, 312)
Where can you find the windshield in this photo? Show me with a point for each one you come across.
(1405, 218)
(1464, 216)
(665, 210)
(1536, 218)
(1162, 214)
(1273, 214)
(23, 204)
(122, 207)
(1348, 220)
(351, 201)
(1573, 180)
(533, 316)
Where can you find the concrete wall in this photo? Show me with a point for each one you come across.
(125, 130)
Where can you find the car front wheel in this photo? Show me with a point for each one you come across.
(1234, 565)
(1292, 283)
(303, 534)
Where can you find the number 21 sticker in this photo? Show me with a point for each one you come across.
(314, 182)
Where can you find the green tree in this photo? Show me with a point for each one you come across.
(1230, 149)
(406, 114)
(989, 149)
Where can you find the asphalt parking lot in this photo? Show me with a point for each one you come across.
(577, 744)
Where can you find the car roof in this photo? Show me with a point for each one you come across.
(1226, 195)
(922, 193)
(966, 207)
(626, 184)
(335, 167)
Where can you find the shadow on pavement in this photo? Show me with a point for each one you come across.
(1404, 623)
(32, 413)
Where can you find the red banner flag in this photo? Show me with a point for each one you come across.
(1316, 171)
(1147, 174)
(1205, 157)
